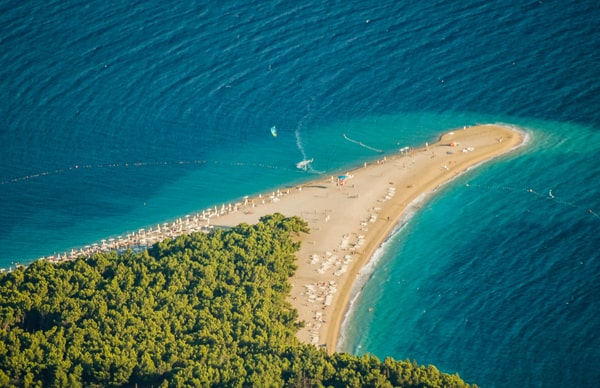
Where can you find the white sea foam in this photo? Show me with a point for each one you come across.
(367, 270)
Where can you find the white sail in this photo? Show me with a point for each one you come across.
(304, 164)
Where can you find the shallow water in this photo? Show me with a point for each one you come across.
(118, 117)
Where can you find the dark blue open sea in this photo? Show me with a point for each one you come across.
(120, 115)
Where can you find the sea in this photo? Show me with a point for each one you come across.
(116, 116)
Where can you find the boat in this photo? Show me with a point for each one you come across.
(274, 131)
(304, 164)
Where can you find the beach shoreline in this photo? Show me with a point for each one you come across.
(349, 215)
(352, 214)
(336, 332)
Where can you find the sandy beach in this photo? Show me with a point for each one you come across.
(350, 218)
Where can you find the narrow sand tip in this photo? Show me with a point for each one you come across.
(349, 220)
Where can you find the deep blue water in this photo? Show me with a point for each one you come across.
(114, 117)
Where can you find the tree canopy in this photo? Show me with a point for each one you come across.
(200, 310)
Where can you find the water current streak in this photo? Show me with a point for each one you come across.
(360, 143)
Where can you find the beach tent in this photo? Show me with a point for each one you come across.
(342, 179)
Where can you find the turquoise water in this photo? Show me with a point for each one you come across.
(118, 117)
(491, 280)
